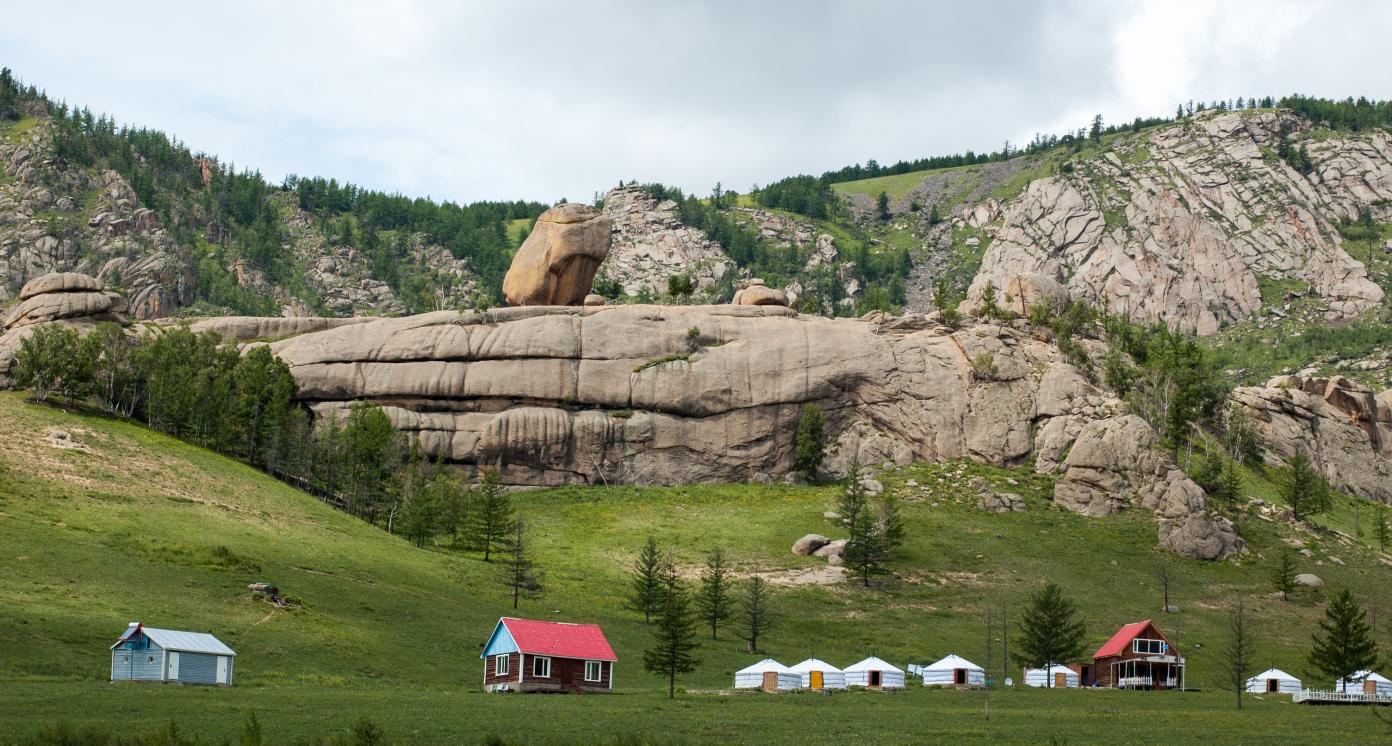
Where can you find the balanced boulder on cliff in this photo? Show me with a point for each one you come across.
(557, 263)
(62, 296)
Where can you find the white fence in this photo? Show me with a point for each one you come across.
(1320, 696)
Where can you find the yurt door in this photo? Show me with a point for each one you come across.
(770, 681)
(959, 676)
(815, 679)
(874, 678)
(1369, 686)
(1060, 680)
(1273, 685)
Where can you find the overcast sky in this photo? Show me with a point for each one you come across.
(511, 99)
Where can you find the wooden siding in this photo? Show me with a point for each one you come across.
(567, 675)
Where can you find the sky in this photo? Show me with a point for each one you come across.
(469, 101)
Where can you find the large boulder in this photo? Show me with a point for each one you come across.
(557, 263)
(809, 544)
(1201, 536)
(58, 297)
(759, 294)
(1116, 463)
(59, 282)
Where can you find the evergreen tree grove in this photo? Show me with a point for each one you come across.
(810, 443)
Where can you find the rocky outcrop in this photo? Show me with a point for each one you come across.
(651, 244)
(625, 394)
(65, 297)
(756, 293)
(1201, 536)
(1341, 424)
(556, 265)
(1183, 224)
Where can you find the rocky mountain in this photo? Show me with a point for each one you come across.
(651, 244)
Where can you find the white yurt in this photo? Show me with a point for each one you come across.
(1274, 681)
(954, 670)
(874, 673)
(1365, 682)
(818, 674)
(769, 675)
(1054, 675)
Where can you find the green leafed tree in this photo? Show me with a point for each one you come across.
(645, 580)
(1303, 488)
(491, 518)
(757, 613)
(1344, 645)
(810, 442)
(1051, 630)
(674, 646)
(714, 601)
(48, 362)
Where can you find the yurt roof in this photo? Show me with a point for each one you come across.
(766, 665)
(1273, 673)
(1366, 675)
(953, 662)
(814, 664)
(872, 664)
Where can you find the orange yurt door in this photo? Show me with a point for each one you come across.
(1060, 680)
(770, 681)
(1369, 686)
(814, 679)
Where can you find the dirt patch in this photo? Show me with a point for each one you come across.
(65, 439)
(804, 576)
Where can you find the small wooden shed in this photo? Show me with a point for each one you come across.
(818, 674)
(1053, 676)
(873, 673)
(527, 655)
(953, 670)
(1366, 682)
(1273, 681)
(769, 675)
(147, 654)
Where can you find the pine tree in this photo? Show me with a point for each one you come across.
(757, 615)
(1283, 573)
(519, 570)
(713, 601)
(1095, 132)
(1051, 630)
(1303, 488)
(1237, 652)
(882, 206)
(645, 580)
(1345, 645)
(1380, 526)
(809, 444)
(674, 634)
(1230, 485)
(492, 517)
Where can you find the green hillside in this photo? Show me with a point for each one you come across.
(137, 526)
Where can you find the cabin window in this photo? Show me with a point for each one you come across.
(541, 667)
(1151, 647)
(593, 671)
(149, 659)
(500, 665)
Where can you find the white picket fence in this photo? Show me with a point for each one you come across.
(1322, 696)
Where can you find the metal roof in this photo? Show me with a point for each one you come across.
(184, 642)
(560, 639)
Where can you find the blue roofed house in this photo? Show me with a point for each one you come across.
(148, 654)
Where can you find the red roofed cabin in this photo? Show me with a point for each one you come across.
(525, 655)
(1138, 656)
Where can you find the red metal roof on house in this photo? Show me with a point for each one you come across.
(559, 639)
(1121, 639)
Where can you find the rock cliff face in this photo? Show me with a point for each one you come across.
(650, 244)
(625, 394)
(1342, 425)
(1181, 225)
(68, 298)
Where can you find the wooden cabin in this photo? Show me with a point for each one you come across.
(1138, 656)
(147, 654)
(526, 655)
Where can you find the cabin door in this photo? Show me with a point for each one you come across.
(814, 679)
(172, 666)
(1060, 680)
(223, 669)
(1369, 686)
(770, 681)
(874, 678)
(1273, 685)
(959, 676)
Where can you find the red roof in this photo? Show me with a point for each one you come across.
(1121, 639)
(559, 639)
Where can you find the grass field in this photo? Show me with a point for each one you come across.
(142, 527)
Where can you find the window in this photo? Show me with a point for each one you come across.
(1153, 647)
(500, 665)
(594, 671)
(149, 659)
(541, 667)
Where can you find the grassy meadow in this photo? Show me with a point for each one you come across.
(137, 526)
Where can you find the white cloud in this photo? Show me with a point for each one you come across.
(541, 100)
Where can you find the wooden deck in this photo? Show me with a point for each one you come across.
(1322, 697)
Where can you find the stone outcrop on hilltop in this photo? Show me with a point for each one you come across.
(651, 244)
(624, 394)
(66, 297)
(1344, 427)
(556, 265)
(1182, 224)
